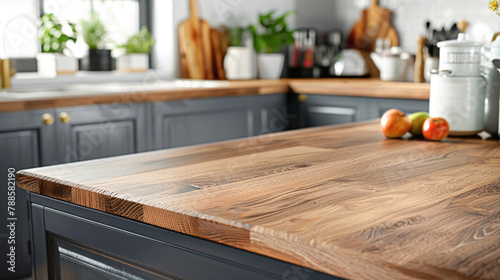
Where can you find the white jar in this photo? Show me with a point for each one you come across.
(492, 99)
(459, 100)
(461, 57)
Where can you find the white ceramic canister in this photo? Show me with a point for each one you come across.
(461, 57)
(459, 100)
(491, 104)
(238, 63)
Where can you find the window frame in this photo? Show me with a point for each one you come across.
(29, 64)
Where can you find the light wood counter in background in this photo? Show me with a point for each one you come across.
(148, 93)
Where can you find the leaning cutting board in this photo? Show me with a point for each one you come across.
(217, 54)
(375, 23)
(194, 46)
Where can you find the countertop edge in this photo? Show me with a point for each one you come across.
(342, 87)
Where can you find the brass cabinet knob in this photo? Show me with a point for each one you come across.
(64, 117)
(47, 119)
(302, 97)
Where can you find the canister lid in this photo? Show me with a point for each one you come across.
(461, 41)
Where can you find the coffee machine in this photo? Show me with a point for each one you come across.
(458, 90)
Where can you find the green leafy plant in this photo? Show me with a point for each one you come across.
(54, 34)
(236, 36)
(140, 42)
(94, 32)
(271, 33)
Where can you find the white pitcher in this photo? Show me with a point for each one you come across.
(392, 67)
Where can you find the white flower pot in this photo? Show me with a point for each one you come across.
(270, 65)
(239, 63)
(134, 62)
(52, 64)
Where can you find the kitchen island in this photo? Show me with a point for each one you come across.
(307, 204)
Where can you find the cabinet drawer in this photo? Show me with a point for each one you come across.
(85, 249)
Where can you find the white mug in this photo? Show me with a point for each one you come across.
(238, 63)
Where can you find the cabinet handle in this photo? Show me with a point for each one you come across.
(47, 119)
(302, 97)
(64, 117)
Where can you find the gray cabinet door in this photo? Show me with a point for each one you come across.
(198, 121)
(25, 142)
(102, 131)
(321, 110)
(378, 106)
(272, 113)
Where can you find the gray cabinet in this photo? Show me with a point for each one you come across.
(25, 142)
(101, 131)
(328, 110)
(197, 121)
(319, 110)
(74, 242)
(378, 106)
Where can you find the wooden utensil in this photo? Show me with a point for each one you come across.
(194, 46)
(462, 25)
(418, 68)
(374, 23)
(218, 57)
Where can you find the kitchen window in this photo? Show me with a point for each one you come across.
(19, 24)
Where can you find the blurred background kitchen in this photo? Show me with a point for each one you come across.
(124, 17)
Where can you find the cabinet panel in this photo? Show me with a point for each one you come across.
(20, 148)
(103, 140)
(329, 110)
(25, 142)
(198, 121)
(190, 122)
(78, 262)
(74, 241)
(205, 127)
(272, 114)
(102, 131)
(378, 106)
(120, 254)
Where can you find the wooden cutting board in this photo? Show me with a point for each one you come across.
(375, 23)
(194, 46)
(217, 54)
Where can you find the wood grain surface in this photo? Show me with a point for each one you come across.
(342, 200)
(195, 49)
(362, 87)
(349, 87)
(375, 23)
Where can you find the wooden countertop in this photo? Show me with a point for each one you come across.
(149, 92)
(361, 87)
(343, 199)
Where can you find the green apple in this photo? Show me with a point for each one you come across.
(417, 121)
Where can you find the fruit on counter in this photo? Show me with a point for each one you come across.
(417, 121)
(394, 123)
(435, 129)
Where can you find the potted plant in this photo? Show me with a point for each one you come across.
(94, 34)
(137, 48)
(54, 35)
(239, 61)
(268, 38)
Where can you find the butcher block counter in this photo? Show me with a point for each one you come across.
(40, 97)
(342, 200)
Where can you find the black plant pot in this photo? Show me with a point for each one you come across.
(99, 60)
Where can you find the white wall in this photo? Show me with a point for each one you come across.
(168, 14)
(409, 17)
